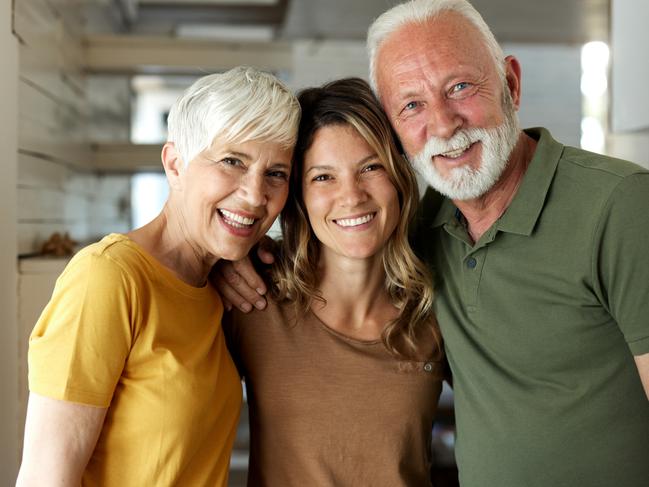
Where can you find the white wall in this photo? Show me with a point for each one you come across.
(551, 94)
(8, 307)
(630, 65)
(316, 62)
(629, 71)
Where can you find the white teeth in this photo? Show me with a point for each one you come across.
(455, 153)
(235, 220)
(353, 222)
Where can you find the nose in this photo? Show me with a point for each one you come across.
(443, 120)
(352, 192)
(252, 189)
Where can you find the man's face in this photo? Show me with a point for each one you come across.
(442, 92)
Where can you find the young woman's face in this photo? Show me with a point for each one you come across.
(352, 204)
(232, 193)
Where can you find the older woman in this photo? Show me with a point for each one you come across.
(344, 368)
(130, 379)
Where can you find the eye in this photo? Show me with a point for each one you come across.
(411, 105)
(283, 175)
(459, 87)
(231, 161)
(322, 177)
(375, 166)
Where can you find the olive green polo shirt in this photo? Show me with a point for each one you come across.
(541, 319)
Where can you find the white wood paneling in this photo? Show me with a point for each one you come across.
(56, 189)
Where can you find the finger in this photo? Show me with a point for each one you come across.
(230, 297)
(245, 279)
(227, 305)
(266, 250)
(266, 256)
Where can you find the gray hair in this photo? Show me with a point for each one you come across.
(421, 11)
(239, 105)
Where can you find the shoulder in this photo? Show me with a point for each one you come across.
(113, 259)
(589, 183)
(274, 314)
(600, 168)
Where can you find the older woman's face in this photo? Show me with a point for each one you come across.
(232, 193)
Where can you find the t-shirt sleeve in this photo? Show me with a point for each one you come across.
(621, 260)
(79, 345)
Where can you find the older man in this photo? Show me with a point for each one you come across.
(540, 255)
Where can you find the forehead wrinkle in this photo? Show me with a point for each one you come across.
(447, 37)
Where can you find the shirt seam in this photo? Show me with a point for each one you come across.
(597, 231)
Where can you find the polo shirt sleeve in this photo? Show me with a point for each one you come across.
(621, 259)
(79, 345)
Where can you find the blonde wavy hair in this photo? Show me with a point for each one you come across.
(351, 102)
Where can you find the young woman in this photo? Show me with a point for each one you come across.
(344, 369)
(131, 383)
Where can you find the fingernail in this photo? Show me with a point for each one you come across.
(261, 304)
(245, 307)
(261, 290)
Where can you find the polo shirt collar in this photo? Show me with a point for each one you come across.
(526, 207)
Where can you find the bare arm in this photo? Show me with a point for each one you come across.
(60, 437)
(642, 362)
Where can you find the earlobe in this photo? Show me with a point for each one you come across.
(173, 164)
(513, 78)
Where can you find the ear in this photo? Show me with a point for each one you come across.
(173, 165)
(513, 78)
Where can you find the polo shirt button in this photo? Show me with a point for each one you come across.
(428, 367)
(471, 263)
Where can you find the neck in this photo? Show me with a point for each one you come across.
(357, 304)
(481, 213)
(166, 238)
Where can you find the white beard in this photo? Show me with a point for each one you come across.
(464, 182)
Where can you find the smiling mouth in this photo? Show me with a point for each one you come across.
(354, 222)
(454, 154)
(235, 220)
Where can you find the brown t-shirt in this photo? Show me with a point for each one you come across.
(329, 410)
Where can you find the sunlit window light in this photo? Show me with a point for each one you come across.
(592, 135)
(594, 57)
(148, 195)
(594, 88)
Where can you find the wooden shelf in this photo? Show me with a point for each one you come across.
(126, 157)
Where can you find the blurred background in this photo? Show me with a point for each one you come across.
(86, 86)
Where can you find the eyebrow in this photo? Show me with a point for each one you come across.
(281, 164)
(329, 168)
(242, 155)
(407, 94)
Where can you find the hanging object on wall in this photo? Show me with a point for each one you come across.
(59, 245)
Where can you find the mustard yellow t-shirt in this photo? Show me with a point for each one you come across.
(121, 331)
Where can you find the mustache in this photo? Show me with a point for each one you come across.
(462, 139)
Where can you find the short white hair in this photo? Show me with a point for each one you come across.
(422, 11)
(239, 105)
